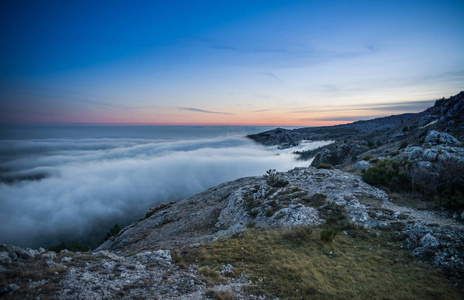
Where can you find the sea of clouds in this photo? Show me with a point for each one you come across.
(55, 190)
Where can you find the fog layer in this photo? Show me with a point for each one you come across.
(56, 190)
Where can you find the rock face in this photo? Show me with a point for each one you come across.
(340, 153)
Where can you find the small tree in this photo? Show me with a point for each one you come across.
(113, 231)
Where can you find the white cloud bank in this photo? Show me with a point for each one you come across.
(91, 184)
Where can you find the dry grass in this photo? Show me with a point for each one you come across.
(220, 295)
(212, 275)
(22, 274)
(362, 266)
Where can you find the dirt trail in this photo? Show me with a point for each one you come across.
(425, 217)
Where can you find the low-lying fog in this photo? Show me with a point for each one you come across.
(56, 190)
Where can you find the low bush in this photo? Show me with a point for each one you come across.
(388, 173)
(113, 231)
(328, 235)
(367, 157)
(298, 235)
(73, 247)
(403, 145)
(273, 180)
(324, 166)
(315, 200)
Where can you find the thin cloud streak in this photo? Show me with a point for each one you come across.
(203, 111)
(397, 106)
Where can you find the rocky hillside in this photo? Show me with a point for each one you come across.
(309, 231)
(425, 148)
(448, 114)
(138, 263)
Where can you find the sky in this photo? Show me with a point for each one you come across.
(288, 63)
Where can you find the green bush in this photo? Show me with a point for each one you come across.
(298, 235)
(253, 213)
(388, 173)
(269, 212)
(328, 235)
(113, 231)
(403, 145)
(324, 166)
(73, 247)
(273, 180)
(367, 157)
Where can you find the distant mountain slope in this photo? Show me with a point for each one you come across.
(449, 114)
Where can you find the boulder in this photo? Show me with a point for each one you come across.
(413, 152)
(27, 253)
(225, 269)
(440, 138)
(430, 154)
(5, 258)
(155, 255)
(361, 165)
(429, 240)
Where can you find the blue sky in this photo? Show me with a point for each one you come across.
(226, 62)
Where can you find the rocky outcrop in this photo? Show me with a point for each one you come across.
(440, 138)
(233, 207)
(106, 275)
(339, 153)
(361, 165)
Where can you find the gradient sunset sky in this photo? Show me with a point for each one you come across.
(295, 63)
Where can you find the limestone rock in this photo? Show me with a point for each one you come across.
(5, 258)
(361, 165)
(27, 253)
(429, 240)
(440, 138)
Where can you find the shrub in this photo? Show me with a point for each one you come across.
(315, 200)
(273, 180)
(113, 231)
(444, 183)
(269, 212)
(324, 166)
(328, 235)
(403, 145)
(73, 247)
(388, 173)
(298, 235)
(405, 128)
(251, 224)
(367, 157)
(254, 213)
